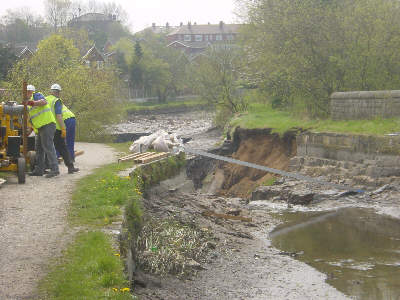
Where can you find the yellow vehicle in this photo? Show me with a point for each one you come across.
(11, 139)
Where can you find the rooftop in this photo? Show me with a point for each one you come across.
(206, 29)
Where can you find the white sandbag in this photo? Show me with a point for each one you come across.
(160, 145)
(143, 143)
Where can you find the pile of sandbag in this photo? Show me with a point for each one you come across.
(159, 141)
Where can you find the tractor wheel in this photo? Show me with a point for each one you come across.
(21, 170)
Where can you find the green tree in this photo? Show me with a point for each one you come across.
(216, 77)
(90, 93)
(301, 51)
(7, 59)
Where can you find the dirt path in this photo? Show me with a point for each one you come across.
(33, 225)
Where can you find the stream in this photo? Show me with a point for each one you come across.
(357, 249)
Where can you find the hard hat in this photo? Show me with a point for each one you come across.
(56, 87)
(30, 87)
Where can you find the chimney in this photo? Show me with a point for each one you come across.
(221, 24)
(189, 25)
(153, 25)
(167, 25)
(181, 24)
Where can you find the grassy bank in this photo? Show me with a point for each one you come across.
(263, 116)
(91, 268)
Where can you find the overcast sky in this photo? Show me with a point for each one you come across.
(142, 13)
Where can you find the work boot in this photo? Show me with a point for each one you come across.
(52, 174)
(72, 169)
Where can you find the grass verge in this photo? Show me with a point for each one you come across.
(263, 116)
(88, 270)
(99, 197)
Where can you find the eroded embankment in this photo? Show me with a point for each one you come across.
(259, 146)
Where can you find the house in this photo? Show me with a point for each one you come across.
(194, 39)
(94, 58)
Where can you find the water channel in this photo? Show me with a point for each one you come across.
(358, 249)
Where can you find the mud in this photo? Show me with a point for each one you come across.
(242, 265)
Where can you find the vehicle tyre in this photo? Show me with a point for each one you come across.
(21, 170)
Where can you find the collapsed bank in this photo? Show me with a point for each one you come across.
(227, 213)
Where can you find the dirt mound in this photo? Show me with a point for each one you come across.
(258, 146)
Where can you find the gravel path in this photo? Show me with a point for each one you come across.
(33, 225)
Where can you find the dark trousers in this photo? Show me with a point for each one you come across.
(61, 147)
(45, 147)
(70, 125)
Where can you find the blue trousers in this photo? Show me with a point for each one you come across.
(70, 125)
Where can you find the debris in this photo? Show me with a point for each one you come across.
(386, 187)
(226, 217)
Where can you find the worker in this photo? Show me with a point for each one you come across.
(56, 106)
(70, 124)
(44, 122)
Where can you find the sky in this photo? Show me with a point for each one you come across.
(142, 13)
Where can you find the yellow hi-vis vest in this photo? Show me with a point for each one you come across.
(66, 113)
(40, 115)
(51, 99)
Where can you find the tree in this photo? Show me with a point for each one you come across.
(7, 59)
(216, 78)
(57, 12)
(301, 51)
(90, 93)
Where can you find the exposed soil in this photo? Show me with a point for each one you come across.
(33, 225)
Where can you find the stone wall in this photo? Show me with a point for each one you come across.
(358, 154)
(365, 105)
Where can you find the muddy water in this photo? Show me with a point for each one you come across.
(357, 249)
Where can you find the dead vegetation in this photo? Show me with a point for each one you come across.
(167, 246)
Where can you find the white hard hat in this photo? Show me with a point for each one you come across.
(30, 87)
(56, 87)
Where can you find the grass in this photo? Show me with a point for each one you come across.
(123, 148)
(99, 197)
(90, 269)
(263, 116)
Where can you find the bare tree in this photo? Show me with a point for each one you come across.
(57, 12)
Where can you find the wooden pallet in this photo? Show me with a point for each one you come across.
(144, 157)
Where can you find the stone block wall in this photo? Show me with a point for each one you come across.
(365, 105)
(372, 156)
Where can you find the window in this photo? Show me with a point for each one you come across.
(230, 37)
(218, 37)
(187, 38)
(198, 38)
(206, 37)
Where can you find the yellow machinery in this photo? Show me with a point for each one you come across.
(14, 145)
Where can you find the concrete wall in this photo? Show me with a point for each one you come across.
(365, 105)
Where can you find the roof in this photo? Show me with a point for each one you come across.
(207, 29)
(90, 17)
(93, 55)
(199, 45)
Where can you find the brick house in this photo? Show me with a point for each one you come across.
(194, 39)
